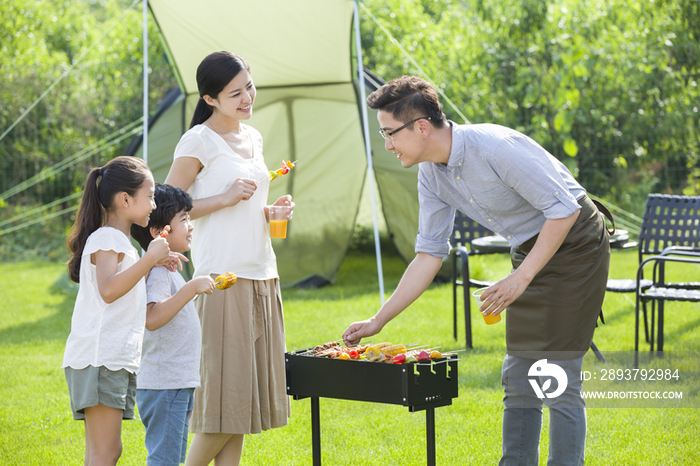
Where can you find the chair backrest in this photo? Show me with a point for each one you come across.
(669, 221)
(466, 230)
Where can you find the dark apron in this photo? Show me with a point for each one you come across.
(559, 309)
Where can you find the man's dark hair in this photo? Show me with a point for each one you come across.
(169, 201)
(407, 98)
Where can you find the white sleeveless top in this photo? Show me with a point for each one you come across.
(233, 239)
(106, 334)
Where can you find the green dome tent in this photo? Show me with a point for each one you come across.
(303, 61)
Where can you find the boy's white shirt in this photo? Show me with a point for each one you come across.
(171, 353)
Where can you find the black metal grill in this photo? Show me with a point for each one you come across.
(419, 386)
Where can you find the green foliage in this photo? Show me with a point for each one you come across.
(41, 40)
(608, 87)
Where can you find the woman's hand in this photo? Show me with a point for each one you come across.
(241, 190)
(284, 201)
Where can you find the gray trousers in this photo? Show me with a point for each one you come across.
(522, 412)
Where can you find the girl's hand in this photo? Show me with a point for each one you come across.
(173, 262)
(158, 250)
(203, 284)
(241, 190)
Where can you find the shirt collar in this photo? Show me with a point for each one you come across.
(456, 152)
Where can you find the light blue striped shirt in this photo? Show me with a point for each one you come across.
(498, 177)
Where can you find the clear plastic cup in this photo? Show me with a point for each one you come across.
(489, 319)
(279, 215)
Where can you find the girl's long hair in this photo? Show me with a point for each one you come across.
(213, 75)
(121, 174)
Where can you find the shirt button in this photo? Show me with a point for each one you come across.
(556, 192)
(460, 164)
(490, 220)
(471, 200)
(510, 237)
(458, 177)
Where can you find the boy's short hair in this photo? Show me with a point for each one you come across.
(169, 201)
(407, 98)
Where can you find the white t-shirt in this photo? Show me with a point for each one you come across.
(104, 334)
(171, 353)
(233, 239)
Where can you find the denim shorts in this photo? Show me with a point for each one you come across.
(165, 414)
(92, 385)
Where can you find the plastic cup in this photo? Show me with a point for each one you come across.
(489, 319)
(279, 215)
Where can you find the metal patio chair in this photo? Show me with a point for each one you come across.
(655, 235)
(674, 236)
(464, 233)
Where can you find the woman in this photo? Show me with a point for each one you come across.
(218, 161)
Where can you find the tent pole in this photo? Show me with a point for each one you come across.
(144, 144)
(368, 149)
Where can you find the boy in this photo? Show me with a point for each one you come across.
(172, 342)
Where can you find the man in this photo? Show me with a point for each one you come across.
(560, 254)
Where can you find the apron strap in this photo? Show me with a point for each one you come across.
(604, 210)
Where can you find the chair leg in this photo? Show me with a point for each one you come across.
(467, 306)
(651, 333)
(636, 333)
(597, 352)
(454, 295)
(646, 324)
(660, 341)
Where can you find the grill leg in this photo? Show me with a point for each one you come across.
(430, 435)
(315, 431)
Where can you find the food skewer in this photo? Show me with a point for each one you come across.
(280, 172)
(225, 280)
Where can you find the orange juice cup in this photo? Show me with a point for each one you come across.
(279, 215)
(489, 319)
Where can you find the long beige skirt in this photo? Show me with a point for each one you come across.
(243, 383)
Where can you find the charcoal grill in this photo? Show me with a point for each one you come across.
(419, 386)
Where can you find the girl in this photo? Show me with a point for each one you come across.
(242, 370)
(104, 347)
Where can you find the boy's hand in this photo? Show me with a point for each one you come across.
(203, 284)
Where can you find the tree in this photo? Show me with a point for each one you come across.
(608, 87)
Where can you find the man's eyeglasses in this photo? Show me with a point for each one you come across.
(389, 135)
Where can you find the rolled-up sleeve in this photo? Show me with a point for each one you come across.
(435, 221)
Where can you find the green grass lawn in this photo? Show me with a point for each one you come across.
(36, 426)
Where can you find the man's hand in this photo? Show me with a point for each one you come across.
(359, 330)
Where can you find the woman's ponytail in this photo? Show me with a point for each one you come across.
(202, 112)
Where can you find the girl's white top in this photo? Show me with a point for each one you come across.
(104, 334)
(233, 239)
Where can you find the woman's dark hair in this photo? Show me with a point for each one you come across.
(213, 75)
(121, 174)
(407, 98)
(169, 201)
